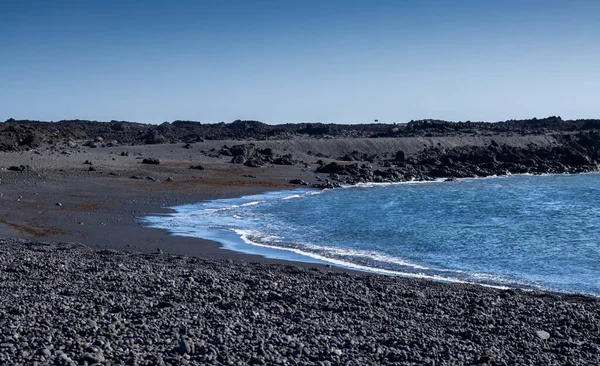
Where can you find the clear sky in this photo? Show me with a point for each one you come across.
(281, 61)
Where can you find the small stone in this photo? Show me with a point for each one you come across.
(59, 204)
(92, 358)
(185, 347)
(542, 334)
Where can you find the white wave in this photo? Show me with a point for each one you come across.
(244, 235)
(387, 184)
(366, 255)
(290, 197)
(251, 203)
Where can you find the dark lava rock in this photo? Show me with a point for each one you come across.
(72, 305)
(332, 167)
(197, 167)
(238, 159)
(254, 163)
(152, 161)
(400, 156)
(284, 160)
(326, 185)
(19, 168)
(245, 150)
(298, 181)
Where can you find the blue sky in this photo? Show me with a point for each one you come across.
(299, 61)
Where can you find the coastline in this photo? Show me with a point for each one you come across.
(253, 309)
(243, 240)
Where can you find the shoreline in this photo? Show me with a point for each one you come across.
(116, 298)
(114, 225)
(295, 256)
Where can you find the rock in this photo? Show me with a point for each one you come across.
(332, 167)
(542, 334)
(400, 156)
(185, 347)
(266, 151)
(326, 185)
(59, 204)
(284, 160)
(153, 137)
(238, 159)
(169, 179)
(92, 358)
(19, 168)
(197, 167)
(151, 161)
(298, 181)
(164, 305)
(254, 163)
(245, 150)
(87, 162)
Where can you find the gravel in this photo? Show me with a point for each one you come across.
(65, 304)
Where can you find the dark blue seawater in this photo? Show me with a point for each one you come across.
(540, 232)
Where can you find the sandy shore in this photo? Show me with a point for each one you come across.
(196, 303)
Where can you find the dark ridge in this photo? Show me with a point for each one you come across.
(23, 134)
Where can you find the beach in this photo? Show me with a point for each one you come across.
(83, 281)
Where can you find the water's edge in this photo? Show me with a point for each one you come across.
(243, 241)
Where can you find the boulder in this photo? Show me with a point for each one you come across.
(238, 159)
(284, 160)
(298, 181)
(332, 167)
(151, 161)
(400, 156)
(254, 163)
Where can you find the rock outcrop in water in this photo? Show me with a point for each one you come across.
(577, 154)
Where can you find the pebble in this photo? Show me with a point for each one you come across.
(65, 304)
(542, 334)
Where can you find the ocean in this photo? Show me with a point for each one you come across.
(532, 232)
